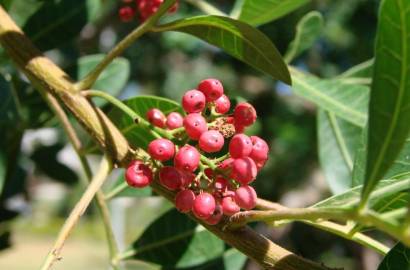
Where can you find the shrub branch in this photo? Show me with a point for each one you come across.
(45, 75)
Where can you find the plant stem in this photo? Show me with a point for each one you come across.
(116, 191)
(368, 218)
(77, 212)
(332, 227)
(156, 132)
(205, 160)
(206, 7)
(91, 77)
(77, 145)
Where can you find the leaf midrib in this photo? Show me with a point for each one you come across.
(334, 102)
(187, 23)
(399, 101)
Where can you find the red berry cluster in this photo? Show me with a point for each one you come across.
(209, 187)
(145, 9)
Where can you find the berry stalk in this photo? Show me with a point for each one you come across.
(90, 78)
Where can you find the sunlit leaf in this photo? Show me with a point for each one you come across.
(389, 107)
(236, 38)
(258, 12)
(308, 30)
(338, 142)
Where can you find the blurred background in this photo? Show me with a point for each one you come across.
(44, 183)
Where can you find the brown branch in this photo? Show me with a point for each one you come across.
(49, 78)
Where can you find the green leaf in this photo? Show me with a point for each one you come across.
(398, 258)
(175, 241)
(337, 142)
(112, 80)
(232, 259)
(384, 190)
(22, 10)
(308, 30)
(45, 159)
(128, 191)
(236, 38)
(347, 101)
(256, 12)
(361, 71)
(137, 136)
(56, 22)
(389, 107)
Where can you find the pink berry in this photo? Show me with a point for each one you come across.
(156, 118)
(195, 125)
(244, 114)
(220, 183)
(209, 173)
(216, 216)
(138, 175)
(222, 104)
(226, 164)
(246, 197)
(193, 101)
(161, 149)
(184, 200)
(212, 89)
(260, 164)
(126, 14)
(204, 205)
(239, 128)
(244, 170)
(187, 158)
(174, 120)
(229, 206)
(187, 178)
(240, 146)
(170, 178)
(260, 149)
(211, 141)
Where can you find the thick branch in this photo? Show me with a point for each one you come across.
(47, 76)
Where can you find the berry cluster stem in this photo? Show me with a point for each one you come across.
(156, 132)
(90, 78)
(332, 227)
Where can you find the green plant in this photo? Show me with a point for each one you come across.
(362, 123)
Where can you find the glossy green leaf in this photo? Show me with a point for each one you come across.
(232, 259)
(175, 241)
(398, 258)
(351, 198)
(137, 136)
(112, 80)
(337, 142)
(347, 101)
(389, 107)
(236, 38)
(257, 12)
(308, 30)
(56, 22)
(127, 191)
